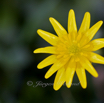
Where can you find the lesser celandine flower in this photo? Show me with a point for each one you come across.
(71, 51)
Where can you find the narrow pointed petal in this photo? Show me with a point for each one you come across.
(95, 58)
(88, 66)
(57, 65)
(57, 27)
(48, 49)
(95, 44)
(70, 72)
(47, 61)
(90, 33)
(49, 37)
(59, 79)
(81, 75)
(85, 23)
(72, 27)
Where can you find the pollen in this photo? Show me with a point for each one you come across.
(74, 49)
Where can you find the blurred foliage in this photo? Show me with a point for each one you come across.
(19, 21)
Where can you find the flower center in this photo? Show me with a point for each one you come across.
(74, 49)
(67, 47)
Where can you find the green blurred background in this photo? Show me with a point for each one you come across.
(19, 21)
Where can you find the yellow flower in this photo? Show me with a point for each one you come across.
(71, 51)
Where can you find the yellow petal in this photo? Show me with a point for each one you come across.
(57, 27)
(59, 79)
(88, 66)
(72, 27)
(85, 23)
(70, 72)
(81, 75)
(49, 37)
(95, 58)
(95, 45)
(84, 26)
(47, 61)
(57, 65)
(48, 49)
(90, 33)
